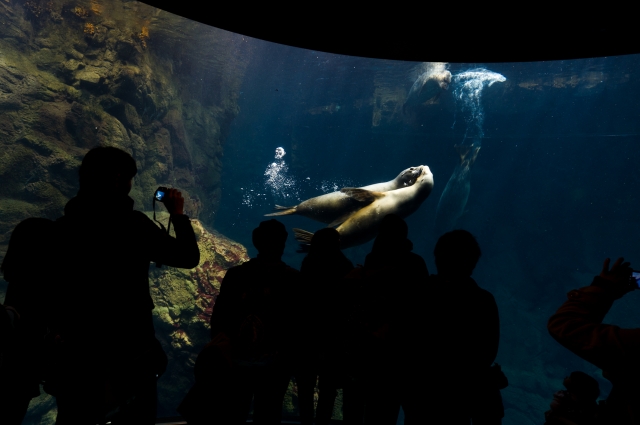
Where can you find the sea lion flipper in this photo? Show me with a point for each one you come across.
(283, 211)
(361, 195)
(302, 236)
(304, 239)
(464, 150)
(476, 149)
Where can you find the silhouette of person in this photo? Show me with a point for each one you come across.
(577, 325)
(463, 338)
(577, 404)
(26, 268)
(323, 322)
(255, 315)
(384, 311)
(107, 356)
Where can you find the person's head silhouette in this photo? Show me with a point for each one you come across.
(580, 396)
(107, 172)
(457, 253)
(269, 239)
(325, 241)
(27, 246)
(392, 234)
(583, 388)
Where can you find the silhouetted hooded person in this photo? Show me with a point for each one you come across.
(255, 314)
(108, 356)
(26, 267)
(392, 279)
(462, 338)
(577, 404)
(322, 324)
(578, 326)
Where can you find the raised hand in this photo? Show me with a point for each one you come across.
(618, 279)
(174, 202)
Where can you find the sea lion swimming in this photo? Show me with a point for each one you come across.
(334, 207)
(427, 86)
(456, 192)
(362, 225)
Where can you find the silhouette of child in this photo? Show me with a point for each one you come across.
(577, 404)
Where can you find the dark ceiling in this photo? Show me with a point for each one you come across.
(395, 30)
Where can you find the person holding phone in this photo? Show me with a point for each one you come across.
(577, 325)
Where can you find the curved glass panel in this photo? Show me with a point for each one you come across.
(545, 157)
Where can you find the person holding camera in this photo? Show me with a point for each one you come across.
(107, 358)
(577, 325)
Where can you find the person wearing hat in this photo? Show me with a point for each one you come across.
(577, 404)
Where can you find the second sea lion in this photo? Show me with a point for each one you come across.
(456, 193)
(427, 86)
(334, 207)
(362, 225)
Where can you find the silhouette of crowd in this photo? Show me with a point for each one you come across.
(77, 318)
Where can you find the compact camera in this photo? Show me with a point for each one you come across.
(161, 192)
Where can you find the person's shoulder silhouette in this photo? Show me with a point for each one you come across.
(29, 245)
(264, 282)
(325, 259)
(392, 253)
(269, 239)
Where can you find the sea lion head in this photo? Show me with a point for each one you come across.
(424, 181)
(409, 176)
(444, 79)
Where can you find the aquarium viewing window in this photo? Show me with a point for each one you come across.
(536, 159)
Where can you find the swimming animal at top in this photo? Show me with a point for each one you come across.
(427, 86)
(456, 192)
(362, 225)
(334, 207)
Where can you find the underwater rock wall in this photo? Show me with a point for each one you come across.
(77, 74)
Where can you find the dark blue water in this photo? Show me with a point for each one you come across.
(554, 189)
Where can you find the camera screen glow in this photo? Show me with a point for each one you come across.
(159, 195)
